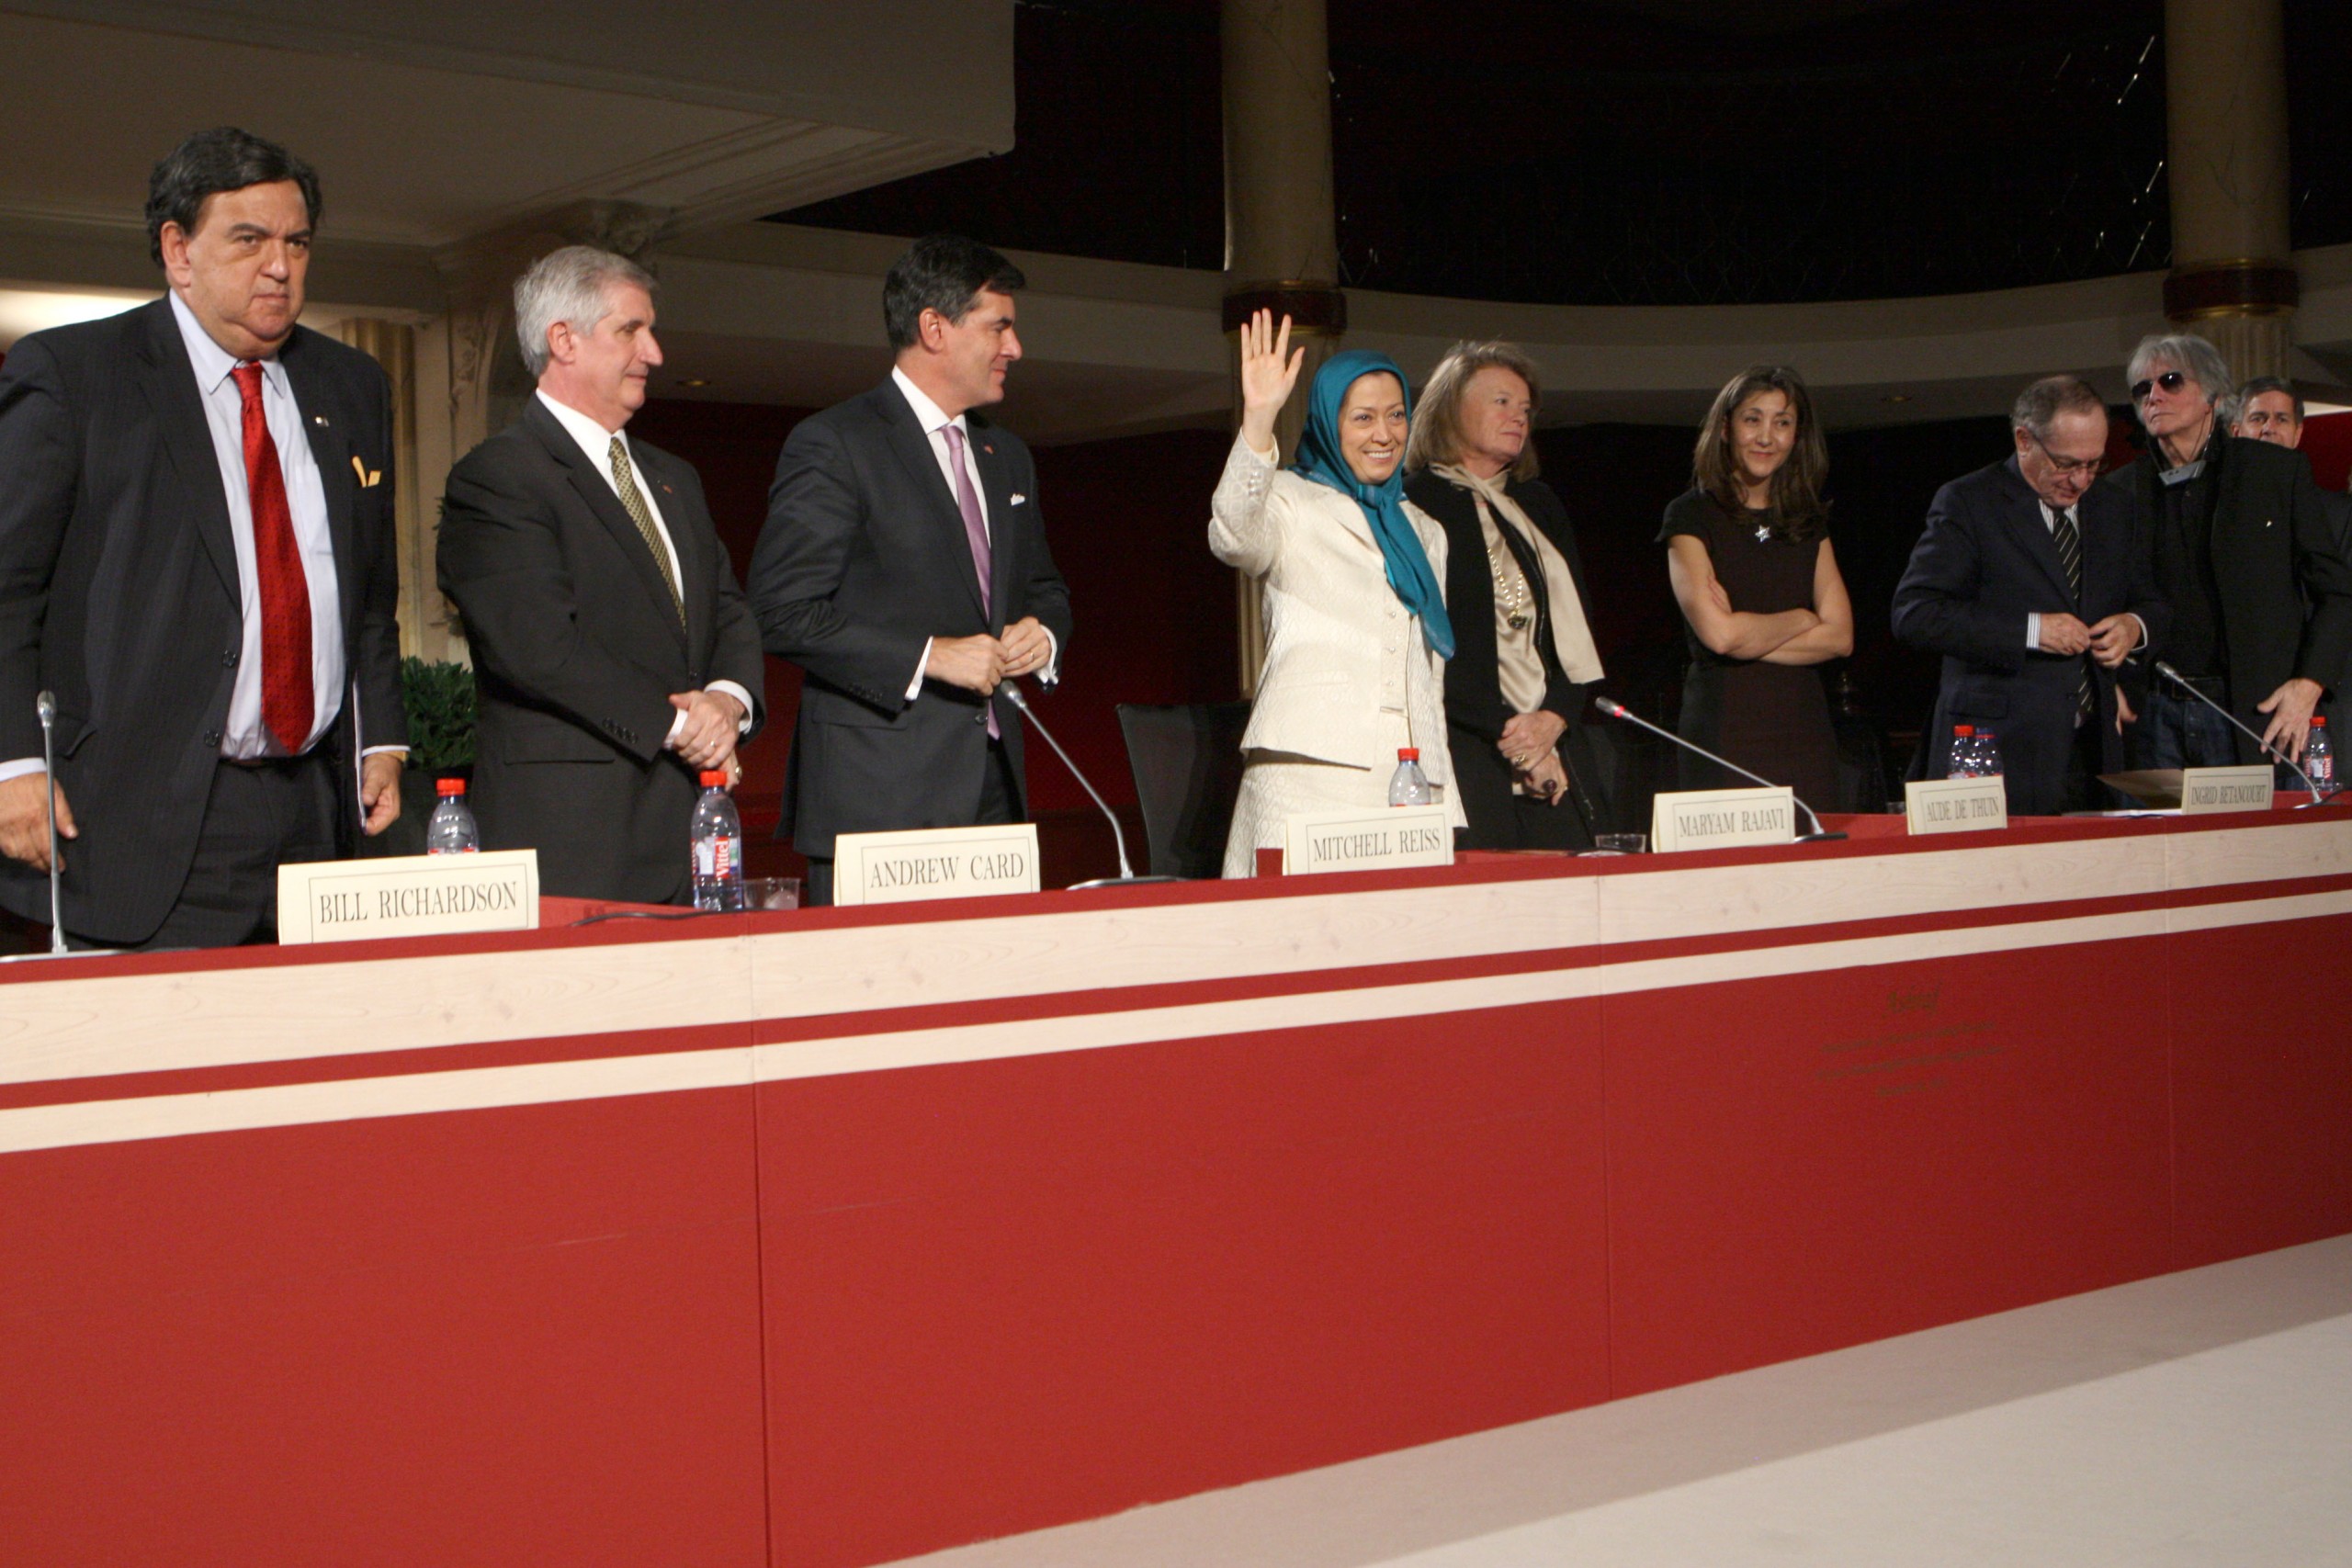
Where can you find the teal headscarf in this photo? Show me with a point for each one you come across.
(1384, 504)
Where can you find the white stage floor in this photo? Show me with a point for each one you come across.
(2199, 1418)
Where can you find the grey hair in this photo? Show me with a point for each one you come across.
(568, 286)
(2186, 353)
(2039, 406)
(2257, 387)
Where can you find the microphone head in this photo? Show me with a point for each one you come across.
(1612, 710)
(1011, 693)
(2169, 674)
(45, 705)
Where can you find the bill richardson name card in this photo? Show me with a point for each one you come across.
(1956, 806)
(934, 863)
(2225, 789)
(1382, 839)
(1721, 819)
(339, 900)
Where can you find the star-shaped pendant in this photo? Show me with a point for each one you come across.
(1763, 532)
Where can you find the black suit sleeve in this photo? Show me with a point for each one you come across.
(39, 466)
(375, 661)
(1940, 605)
(1043, 593)
(2326, 579)
(815, 519)
(2142, 597)
(502, 564)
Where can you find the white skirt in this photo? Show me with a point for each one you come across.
(1274, 784)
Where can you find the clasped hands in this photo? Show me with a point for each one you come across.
(2109, 641)
(1529, 744)
(707, 739)
(982, 663)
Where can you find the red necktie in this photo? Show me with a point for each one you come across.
(287, 704)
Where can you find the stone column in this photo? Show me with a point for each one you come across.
(2225, 109)
(1280, 239)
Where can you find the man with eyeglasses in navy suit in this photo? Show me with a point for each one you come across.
(2243, 549)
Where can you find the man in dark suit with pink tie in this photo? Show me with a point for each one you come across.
(904, 568)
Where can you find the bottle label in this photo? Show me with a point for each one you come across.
(714, 856)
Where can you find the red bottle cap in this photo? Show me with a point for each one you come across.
(712, 778)
(1963, 730)
(1408, 753)
(2318, 721)
(446, 787)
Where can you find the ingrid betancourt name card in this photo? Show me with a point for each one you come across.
(1377, 839)
(1721, 819)
(934, 863)
(2225, 789)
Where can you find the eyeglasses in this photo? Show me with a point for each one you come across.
(2171, 381)
(2087, 468)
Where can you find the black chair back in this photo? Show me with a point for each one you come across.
(1187, 762)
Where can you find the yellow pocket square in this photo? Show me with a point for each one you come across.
(368, 478)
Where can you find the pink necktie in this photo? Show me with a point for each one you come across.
(976, 531)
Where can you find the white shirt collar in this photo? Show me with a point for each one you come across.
(592, 437)
(928, 415)
(213, 362)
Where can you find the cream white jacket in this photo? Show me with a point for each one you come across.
(1340, 645)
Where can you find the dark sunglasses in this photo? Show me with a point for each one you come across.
(2171, 381)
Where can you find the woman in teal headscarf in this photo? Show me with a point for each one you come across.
(1349, 573)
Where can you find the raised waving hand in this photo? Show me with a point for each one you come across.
(1269, 371)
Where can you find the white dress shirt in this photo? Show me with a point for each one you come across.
(597, 442)
(934, 423)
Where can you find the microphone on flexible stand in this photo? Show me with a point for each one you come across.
(45, 704)
(2177, 679)
(1619, 710)
(1126, 876)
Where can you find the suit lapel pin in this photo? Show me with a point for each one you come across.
(988, 450)
(320, 420)
(1017, 500)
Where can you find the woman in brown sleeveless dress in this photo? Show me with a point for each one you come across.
(1747, 550)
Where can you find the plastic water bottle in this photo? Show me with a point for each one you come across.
(1988, 754)
(2319, 760)
(1407, 785)
(452, 831)
(1963, 761)
(717, 847)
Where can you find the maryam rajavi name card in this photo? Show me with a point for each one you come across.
(1721, 819)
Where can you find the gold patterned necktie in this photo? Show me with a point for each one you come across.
(642, 515)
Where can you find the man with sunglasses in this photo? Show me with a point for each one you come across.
(2243, 549)
(2028, 583)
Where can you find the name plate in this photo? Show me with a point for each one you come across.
(1956, 806)
(934, 863)
(1721, 819)
(2225, 789)
(1379, 838)
(344, 900)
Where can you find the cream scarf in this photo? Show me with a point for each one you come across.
(1571, 637)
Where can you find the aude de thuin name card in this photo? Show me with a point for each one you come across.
(1721, 819)
(1956, 806)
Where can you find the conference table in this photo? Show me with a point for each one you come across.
(825, 1237)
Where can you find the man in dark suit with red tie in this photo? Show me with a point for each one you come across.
(196, 557)
(904, 568)
(2031, 583)
(614, 655)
